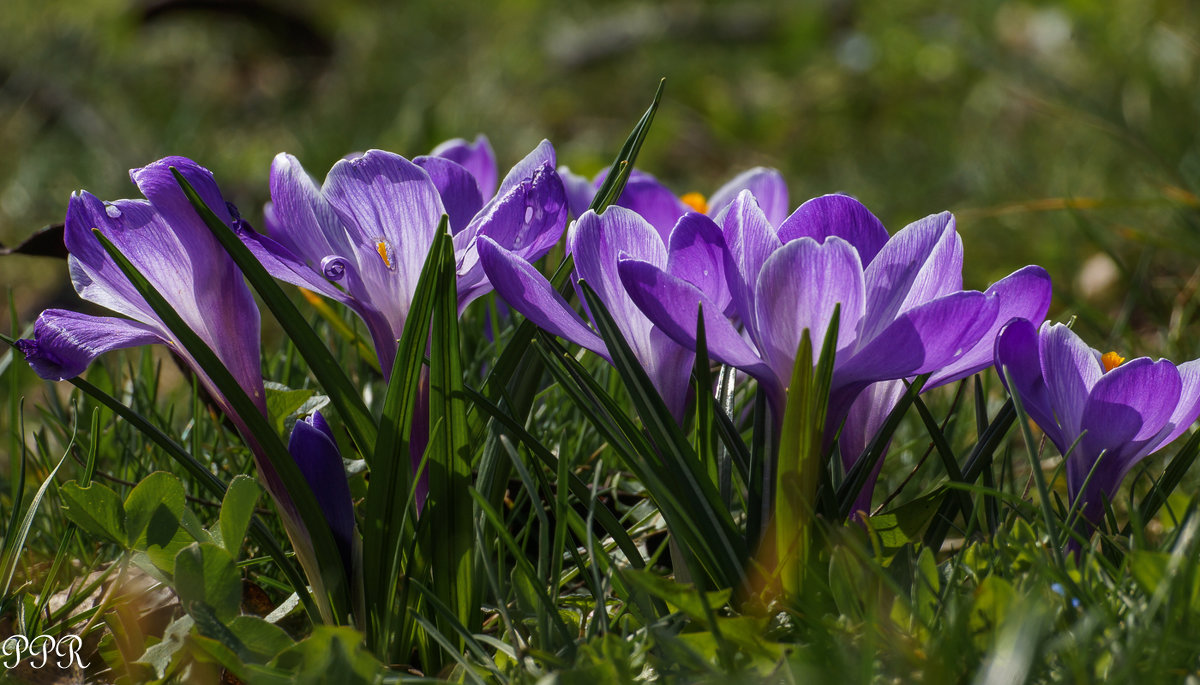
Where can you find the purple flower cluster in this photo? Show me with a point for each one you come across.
(761, 274)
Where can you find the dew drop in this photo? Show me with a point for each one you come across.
(112, 211)
(528, 214)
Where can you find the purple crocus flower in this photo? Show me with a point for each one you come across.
(658, 205)
(597, 242)
(362, 238)
(1124, 410)
(315, 450)
(903, 310)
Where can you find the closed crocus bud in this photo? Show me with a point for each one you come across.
(316, 453)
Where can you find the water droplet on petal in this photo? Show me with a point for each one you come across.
(551, 205)
(112, 211)
(334, 267)
(528, 214)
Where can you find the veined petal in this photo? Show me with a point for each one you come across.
(598, 242)
(281, 263)
(670, 369)
(315, 451)
(798, 288)
(672, 304)
(158, 184)
(64, 343)
(1023, 294)
(749, 239)
(529, 292)
(391, 210)
(539, 157)
(841, 216)
(1070, 368)
(696, 253)
(477, 158)
(921, 340)
(580, 191)
(458, 188)
(920, 263)
(527, 221)
(1017, 351)
(300, 218)
(653, 201)
(1126, 408)
(1188, 407)
(864, 419)
(766, 185)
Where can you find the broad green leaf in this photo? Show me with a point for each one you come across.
(282, 402)
(326, 652)
(236, 511)
(205, 574)
(680, 597)
(263, 639)
(96, 509)
(153, 509)
(904, 524)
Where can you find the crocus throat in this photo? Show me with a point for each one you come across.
(696, 201)
(382, 248)
(1111, 360)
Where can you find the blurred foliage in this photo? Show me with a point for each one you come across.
(1010, 113)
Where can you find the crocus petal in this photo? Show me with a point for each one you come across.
(766, 185)
(1127, 407)
(529, 292)
(1070, 368)
(1188, 407)
(750, 239)
(300, 218)
(837, 215)
(580, 191)
(540, 156)
(281, 263)
(921, 340)
(653, 202)
(863, 421)
(459, 191)
(1023, 294)
(527, 221)
(1017, 353)
(598, 242)
(798, 288)
(315, 451)
(696, 253)
(64, 343)
(476, 157)
(920, 263)
(391, 210)
(670, 370)
(672, 304)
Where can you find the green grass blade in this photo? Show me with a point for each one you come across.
(327, 370)
(614, 184)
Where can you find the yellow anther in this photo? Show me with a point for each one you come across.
(696, 201)
(382, 248)
(1111, 360)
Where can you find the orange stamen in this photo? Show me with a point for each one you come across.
(382, 248)
(1111, 360)
(696, 201)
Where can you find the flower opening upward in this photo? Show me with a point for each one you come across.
(1124, 410)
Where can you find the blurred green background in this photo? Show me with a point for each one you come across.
(1060, 133)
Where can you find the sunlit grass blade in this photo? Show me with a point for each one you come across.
(449, 508)
(327, 370)
(324, 567)
(724, 554)
(386, 524)
(613, 184)
(801, 450)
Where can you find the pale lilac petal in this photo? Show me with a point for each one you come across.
(527, 221)
(696, 253)
(300, 218)
(921, 340)
(158, 184)
(459, 191)
(391, 210)
(281, 263)
(597, 243)
(766, 185)
(529, 292)
(1024, 294)
(864, 419)
(1017, 352)
(476, 157)
(919, 264)
(540, 156)
(798, 288)
(64, 343)
(1188, 407)
(841, 216)
(315, 451)
(750, 239)
(673, 304)
(670, 369)
(1070, 368)
(653, 202)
